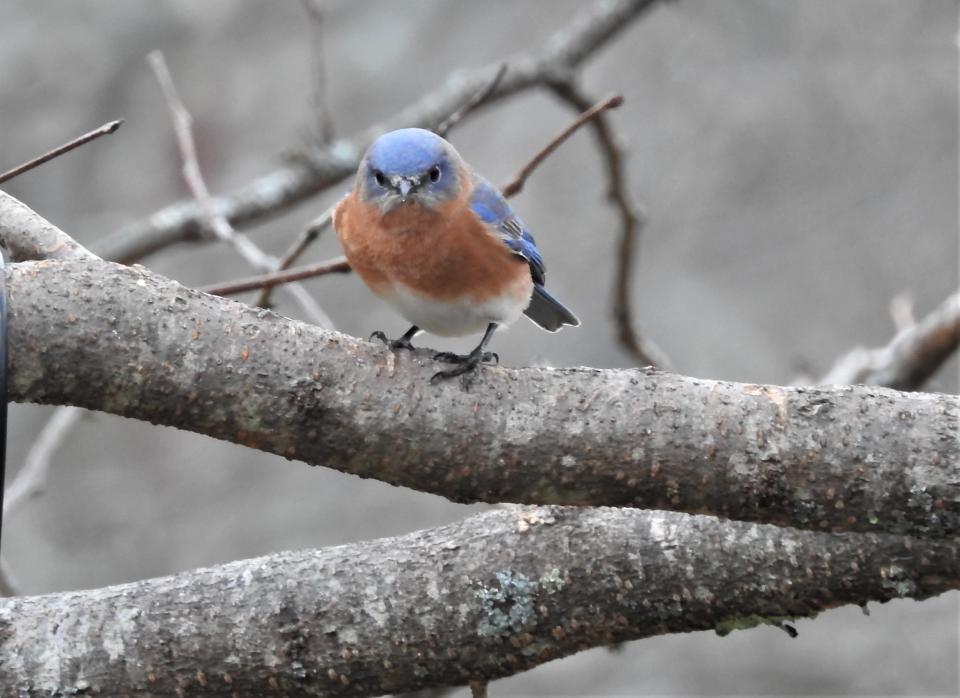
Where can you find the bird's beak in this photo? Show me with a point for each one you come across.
(404, 185)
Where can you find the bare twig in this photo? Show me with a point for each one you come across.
(642, 349)
(472, 104)
(337, 265)
(909, 359)
(32, 477)
(308, 303)
(300, 245)
(901, 311)
(323, 123)
(221, 227)
(515, 185)
(183, 128)
(108, 127)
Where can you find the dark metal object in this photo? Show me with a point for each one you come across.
(3, 384)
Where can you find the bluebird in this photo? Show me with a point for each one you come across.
(441, 245)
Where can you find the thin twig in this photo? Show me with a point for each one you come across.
(472, 104)
(32, 477)
(183, 128)
(182, 122)
(299, 246)
(310, 306)
(901, 311)
(108, 127)
(515, 186)
(324, 124)
(31, 480)
(337, 265)
(642, 349)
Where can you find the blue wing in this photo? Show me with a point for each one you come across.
(490, 206)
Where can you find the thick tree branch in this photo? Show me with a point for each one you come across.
(129, 342)
(491, 596)
(327, 164)
(26, 235)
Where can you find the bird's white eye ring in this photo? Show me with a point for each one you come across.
(434, 173)
(379, 178)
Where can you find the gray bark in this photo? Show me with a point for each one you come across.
(129, 342)
(484, 598)
(25, 234)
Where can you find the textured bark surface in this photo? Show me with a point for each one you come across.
(129, 342)
(27, 235)
(483, 598)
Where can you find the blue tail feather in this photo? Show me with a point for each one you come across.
(548, 312)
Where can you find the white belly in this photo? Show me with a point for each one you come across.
(454, 318)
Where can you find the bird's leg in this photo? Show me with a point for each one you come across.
(402, 343)
(467, 362)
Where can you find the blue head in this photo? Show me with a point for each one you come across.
(409, 166)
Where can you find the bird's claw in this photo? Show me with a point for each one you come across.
(467, 364)
(467, 367)
(393, 344)
(487, 357)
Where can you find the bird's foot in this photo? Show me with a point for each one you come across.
(487, 357)
(393, 344)
(467, 364)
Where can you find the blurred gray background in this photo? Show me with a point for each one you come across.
(798, 161)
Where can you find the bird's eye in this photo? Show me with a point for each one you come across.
(379, 178)
(434, 173)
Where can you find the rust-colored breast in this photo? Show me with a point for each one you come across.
(446, 253)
